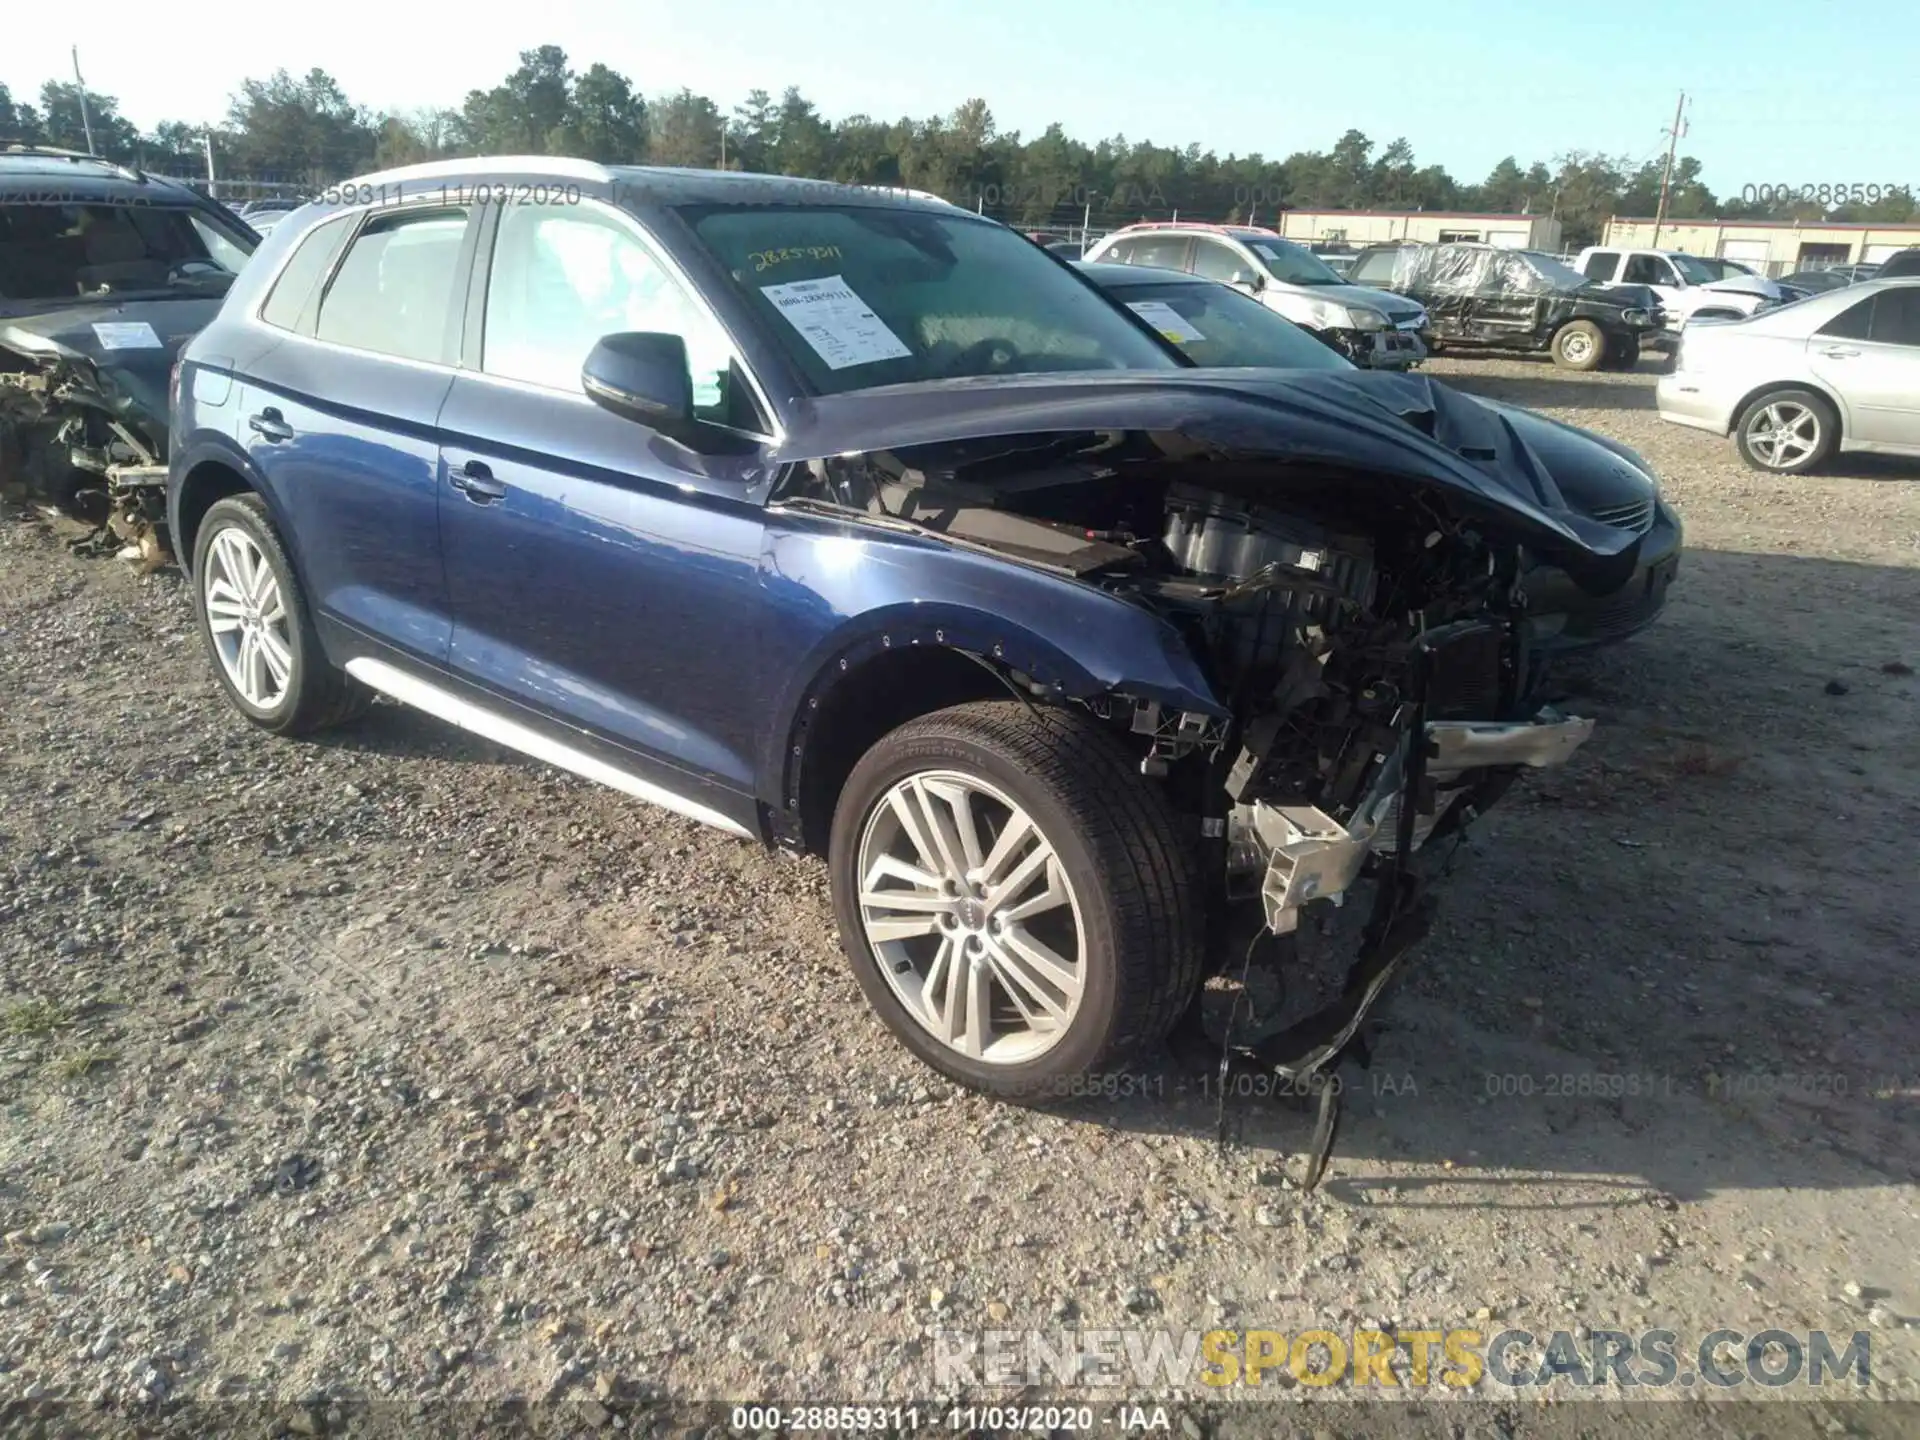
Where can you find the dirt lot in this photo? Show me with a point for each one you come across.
(395, 1065)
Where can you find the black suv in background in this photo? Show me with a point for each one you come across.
(105, 273)
(1498, 299)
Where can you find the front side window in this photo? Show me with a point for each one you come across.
(564, 276)
(61, 252)
(1293, 264)
(1216, 261)
(1648, 270)
(858, 297)
(394, 291)
(1550, 269)
(1217, 325)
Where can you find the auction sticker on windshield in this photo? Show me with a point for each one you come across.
(838, 324)
(126, 335)
(1167, 320)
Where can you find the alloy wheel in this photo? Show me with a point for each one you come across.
(247, 615)
(1783, 435)
(971, 917)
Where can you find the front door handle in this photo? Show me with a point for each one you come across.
(270, 425)
(1839, 352)
(475, 481)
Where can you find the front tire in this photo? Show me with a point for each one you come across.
(257, 628)
(1579, 345)
(1017, 901)
(1787, 432)
(1623, 352)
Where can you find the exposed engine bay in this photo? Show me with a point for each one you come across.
(1365, 637)
(75, 440)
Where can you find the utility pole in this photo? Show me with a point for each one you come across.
(1666, 175)
(211, 194)
(86, 120)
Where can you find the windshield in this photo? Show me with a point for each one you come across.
(1217, 325)
(1696, 271)
(859, 298)
(1294, 264)
(1554, 270)
(64, 252)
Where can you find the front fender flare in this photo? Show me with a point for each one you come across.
(1157, 667)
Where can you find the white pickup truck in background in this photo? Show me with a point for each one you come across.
(1686, 287)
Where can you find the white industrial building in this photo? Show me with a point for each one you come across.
(1372, 227)
(1770, 247)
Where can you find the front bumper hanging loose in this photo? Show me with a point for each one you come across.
(1312, 856)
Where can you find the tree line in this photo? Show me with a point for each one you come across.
(304, 131)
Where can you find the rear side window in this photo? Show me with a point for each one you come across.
(1896, 316)
(1853, 323)
(1601, 264)
(288, 301)
(394, 291)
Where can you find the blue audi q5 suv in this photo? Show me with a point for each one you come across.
(844, 520)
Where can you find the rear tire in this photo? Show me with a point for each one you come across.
(1787, 432)
(1579, 345)
(257, 628)
(1128, 906)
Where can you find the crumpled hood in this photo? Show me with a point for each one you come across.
(1745, 285)
(1394, 307)
(1367, 421)
(1592, 471)
(134, 375)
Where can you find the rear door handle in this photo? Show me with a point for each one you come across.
(270, 425)
(1839, 352)
(475, 481)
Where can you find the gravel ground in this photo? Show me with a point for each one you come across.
(392, 1064)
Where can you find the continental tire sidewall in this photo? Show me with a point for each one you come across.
(1090, 1034)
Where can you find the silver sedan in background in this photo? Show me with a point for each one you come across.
(1794, 385)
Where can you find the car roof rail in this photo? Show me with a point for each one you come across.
(1215, 226)
(55, 152)
(566, 165)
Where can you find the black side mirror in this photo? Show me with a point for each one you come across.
(1249, 281)
(642, 375)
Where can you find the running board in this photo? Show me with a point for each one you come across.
(444, 705)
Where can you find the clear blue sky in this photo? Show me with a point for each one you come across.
(1786, 91)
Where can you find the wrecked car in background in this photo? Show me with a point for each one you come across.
(1483, 296)
(858, 524)
(104, 275)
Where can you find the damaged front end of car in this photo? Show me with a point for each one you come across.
(87, 439)
(1348, 585)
